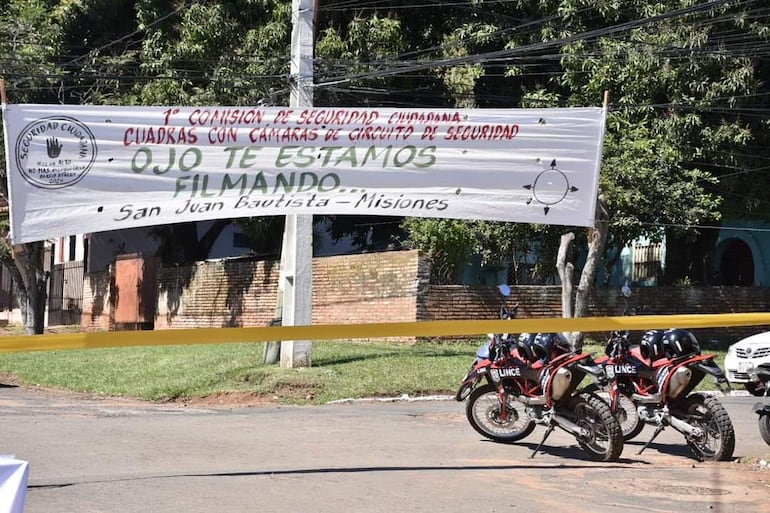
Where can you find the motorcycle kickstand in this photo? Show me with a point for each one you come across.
(654, 436)
(547, 433)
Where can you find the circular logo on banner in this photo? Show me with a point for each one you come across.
(55, 152)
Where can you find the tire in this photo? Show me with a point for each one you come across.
(754, 390)
(631, 424)
(483, 412)
(718, 440)
(605, 439)
(764, 428)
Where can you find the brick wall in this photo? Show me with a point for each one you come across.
(224, 293)
(98, 307)
(388, 287)
(375, 287)
(459, 302)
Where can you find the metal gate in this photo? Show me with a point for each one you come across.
(65, 295)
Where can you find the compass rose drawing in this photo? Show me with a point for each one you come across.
(550, 187)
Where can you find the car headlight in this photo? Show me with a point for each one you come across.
(731, 351)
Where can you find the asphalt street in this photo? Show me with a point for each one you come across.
(91, 455)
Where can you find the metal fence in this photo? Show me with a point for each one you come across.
(7, 296)
(65, 293)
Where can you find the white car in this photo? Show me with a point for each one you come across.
(745, 354)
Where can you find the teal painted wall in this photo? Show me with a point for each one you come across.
(756, 235)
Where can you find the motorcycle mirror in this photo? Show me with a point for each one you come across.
(504, 290)
(626, 290)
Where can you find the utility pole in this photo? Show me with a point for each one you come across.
(296, 277)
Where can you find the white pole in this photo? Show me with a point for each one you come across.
(296, 279)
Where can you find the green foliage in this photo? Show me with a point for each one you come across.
(687, 136)
(448, 242)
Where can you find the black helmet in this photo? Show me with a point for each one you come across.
(524, 346)
(651, 345)
(562, 343)
(545, 343)
(678, 342)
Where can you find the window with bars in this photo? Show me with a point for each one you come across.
(648, 261)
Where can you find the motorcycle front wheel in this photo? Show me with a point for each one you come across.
(604, 441)
(631, 424)
(483, 410)
(717, 442)
(764, 428)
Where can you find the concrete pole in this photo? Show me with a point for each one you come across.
(296, 279)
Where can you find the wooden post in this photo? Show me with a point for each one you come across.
(3, 97)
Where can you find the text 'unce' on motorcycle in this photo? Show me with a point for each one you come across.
(516, 383)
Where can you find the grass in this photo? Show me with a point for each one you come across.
(339, 370)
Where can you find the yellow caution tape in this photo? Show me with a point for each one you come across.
(377, 330)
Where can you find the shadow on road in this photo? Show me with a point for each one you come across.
(327, 470)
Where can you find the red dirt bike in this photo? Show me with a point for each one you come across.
(659, 376)
(534, 380)
(760, 376)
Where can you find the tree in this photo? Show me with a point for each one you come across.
(32, 40)
(678, 131)
(686, 137)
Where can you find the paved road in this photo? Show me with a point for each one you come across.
(89, 455)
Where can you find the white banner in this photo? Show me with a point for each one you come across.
(84, 169)
(13, 484)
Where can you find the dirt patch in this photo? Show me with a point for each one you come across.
(16, 330)
(8, 380)
(230, 400)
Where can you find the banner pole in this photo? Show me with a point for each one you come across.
(3, 97)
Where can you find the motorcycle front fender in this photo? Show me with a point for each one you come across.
(761, 408)
(469, 383)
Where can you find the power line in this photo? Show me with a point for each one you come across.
(507, 53)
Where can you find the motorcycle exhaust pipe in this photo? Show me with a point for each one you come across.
(569, 426)
(682, 426)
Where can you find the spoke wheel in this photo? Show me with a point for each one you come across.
(484, 415)
(717, 442)
(631, 424)
(604, 441)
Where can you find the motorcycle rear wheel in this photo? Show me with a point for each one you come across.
(483, 412)
(605, 440)
(764, 428)
(718, 440)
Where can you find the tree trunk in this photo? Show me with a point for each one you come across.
(597, 236)
(566, 271)
(29, 284)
